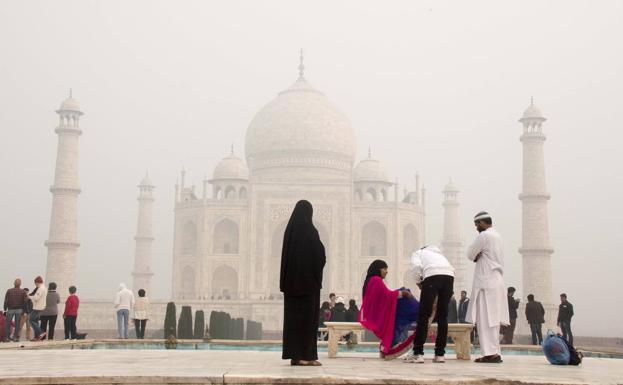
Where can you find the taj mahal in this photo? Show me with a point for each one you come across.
(228, 232)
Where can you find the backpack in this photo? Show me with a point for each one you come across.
(556, 349)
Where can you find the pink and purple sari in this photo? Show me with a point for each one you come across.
(391, 319)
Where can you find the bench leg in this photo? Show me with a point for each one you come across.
(463, 346)
(334, 338)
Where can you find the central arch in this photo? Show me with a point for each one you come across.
(373, 240)
(225, 283)
(226, 237)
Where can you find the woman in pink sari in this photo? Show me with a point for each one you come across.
(390, 314)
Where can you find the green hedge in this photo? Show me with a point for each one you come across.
(185, 325)
(170, 328)
(200, 325)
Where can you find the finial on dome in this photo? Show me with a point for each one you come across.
(531, 100)
(301, 66)
(71, 93)
(232, 150)
(369, 152)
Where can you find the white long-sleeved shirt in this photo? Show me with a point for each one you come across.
(39, 298)
(124, 299)
(428, 262)
(489, 250)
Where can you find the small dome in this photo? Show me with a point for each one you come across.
(231, 167)
(370, 170)
(532, 112)
(450, 187)
(146, 181)
(70, 104)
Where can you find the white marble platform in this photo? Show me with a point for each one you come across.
(248, 367)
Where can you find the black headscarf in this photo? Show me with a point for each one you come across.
(374, 270)
(302, 255)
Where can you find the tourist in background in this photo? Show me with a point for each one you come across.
(338, 313)
(302, 262)
(453, 316)
(141, 309)
(124, 301)
(513, 305)
(14, 301)
(70, 315)
(535, 314)
(488, 307)
(38, 297)
(565, 313)
(352, 314)
(434, 275)
(463, 304)
(26, 315)
(332, 300)
(325, 314)
(49, 315)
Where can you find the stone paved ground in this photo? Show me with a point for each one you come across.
(248, 367)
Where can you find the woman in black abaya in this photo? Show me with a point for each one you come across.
(302, 261)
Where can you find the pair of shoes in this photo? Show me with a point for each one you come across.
(42, 336)
(492, 359)
(305, 363)
(413, 358)
(439, 359)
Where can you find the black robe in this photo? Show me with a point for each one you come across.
(302, 261)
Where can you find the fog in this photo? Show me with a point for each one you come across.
(433, 87)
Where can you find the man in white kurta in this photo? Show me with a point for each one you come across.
(488, 307)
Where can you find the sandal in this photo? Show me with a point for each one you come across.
(493, 359)
(305, 363)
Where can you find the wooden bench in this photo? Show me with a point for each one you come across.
(460, 333)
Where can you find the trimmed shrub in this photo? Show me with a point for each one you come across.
(185, 325)
(200, 327)
(170, 328)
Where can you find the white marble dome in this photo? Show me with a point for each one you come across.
(231, 167)
(370, 170)
(300, 127)
(70, 104)
(532, 112)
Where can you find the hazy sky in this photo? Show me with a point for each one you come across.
(435, 87)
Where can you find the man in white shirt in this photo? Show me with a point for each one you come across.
(124, 302)
(488, 307)
(434, 275)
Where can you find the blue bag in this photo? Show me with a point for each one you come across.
(555, 349)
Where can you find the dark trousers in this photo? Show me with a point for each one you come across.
(442, 287)
(565, 326)
(48, 323)
(300, 326)
(536, 333)
(508, 332)
(70, 327)
(139, 325)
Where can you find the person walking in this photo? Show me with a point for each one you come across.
(38, 297)
(49, 315)
(513, 305)
(463, 304)
(565, 313)
(14, 301)
(488, 307)
(141, 310)
(434, 275)
(124, 301)
(302, 262)
(70, 315)
(535, 314)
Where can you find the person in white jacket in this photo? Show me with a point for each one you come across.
(38, 298)
(124, 302)
(488, 307)
(434, 275)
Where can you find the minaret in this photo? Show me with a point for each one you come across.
(62, 242)
(535, 248)
(452, 243)
(142, 256)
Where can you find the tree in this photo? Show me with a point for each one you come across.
(199, 325)
(170, 328)
(185, 325)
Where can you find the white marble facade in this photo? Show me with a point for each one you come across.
(227, 243)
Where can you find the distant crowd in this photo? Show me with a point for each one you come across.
(37, 312)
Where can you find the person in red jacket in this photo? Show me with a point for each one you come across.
(71, 313)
